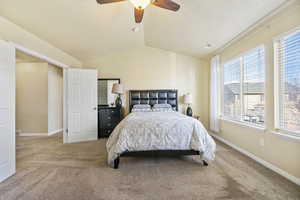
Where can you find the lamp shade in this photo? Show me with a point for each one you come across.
(117, 88)
(187, 99)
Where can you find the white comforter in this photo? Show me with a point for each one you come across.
(144, 131)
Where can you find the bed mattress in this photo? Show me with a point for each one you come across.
(147, 131)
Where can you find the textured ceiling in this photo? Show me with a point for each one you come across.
(87, 30)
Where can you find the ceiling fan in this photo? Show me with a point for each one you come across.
(140, 5)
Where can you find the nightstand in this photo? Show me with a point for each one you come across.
(108, 119)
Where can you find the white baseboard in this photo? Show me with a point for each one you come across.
(259, 160)
(55, 132)
(38, 134)
(32, 134)
(82, 138)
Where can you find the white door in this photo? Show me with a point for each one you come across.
(7, 111)
(81, 100)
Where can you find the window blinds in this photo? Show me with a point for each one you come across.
(244, 87)
(288, 62)
(253, 86)
(232, 92)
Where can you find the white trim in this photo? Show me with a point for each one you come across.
(243, 54)
(40, 56)
(55, 132)
(39, 134)
(276, 87)
(288, 132)
(32, 134)
(244, 124)
(257, 24)
(8, 167)
(242, 98)
(259, 160)
(278, 73)
(267, 65)
(65, 106)
(287, 34)
(80, 138)
(286, 136)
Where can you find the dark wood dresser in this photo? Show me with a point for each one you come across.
(108, 119)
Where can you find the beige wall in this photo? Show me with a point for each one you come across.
(150, 68)
(277, 150)
(11, 32)
(55, 99)
(39, 98)
(32, 97)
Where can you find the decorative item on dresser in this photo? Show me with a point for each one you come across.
(108, 119)
(119, 90)
(188, 100)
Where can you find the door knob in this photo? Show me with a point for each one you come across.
(95, 108)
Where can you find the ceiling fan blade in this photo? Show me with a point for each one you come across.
(108, 1)
(166, 4)
(138, 14)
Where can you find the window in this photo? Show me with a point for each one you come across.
(287, 81)
(243, 88)
(232, 89)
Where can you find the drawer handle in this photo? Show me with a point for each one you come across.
(108, 117)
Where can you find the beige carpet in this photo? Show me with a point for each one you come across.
(48, 170)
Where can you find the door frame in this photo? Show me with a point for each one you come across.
(9, 165)
(48, 60)
(58, 64)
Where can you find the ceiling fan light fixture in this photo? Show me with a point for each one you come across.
(140, 4)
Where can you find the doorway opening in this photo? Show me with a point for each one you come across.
(39, 97)
(39, 106)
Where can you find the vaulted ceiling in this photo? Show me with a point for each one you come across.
(86, 30)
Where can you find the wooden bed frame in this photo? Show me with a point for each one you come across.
(152, 97)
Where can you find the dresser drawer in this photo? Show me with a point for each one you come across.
(106, 132)
(108, 119)
(108, 124)
(109, 113)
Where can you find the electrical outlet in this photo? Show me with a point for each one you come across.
(262, 142)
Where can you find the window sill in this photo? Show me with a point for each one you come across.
(245, 124)
(286, 136)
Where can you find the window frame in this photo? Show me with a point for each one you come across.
(241, 58)
(277, 83)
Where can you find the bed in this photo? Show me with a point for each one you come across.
(156, 133)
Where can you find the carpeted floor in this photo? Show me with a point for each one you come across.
(49, 170)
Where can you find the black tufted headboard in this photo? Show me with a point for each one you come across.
(152, 97)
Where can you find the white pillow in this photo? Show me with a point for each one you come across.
(162, 110)
(141, 110)
(162, 106)
(140, 106)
